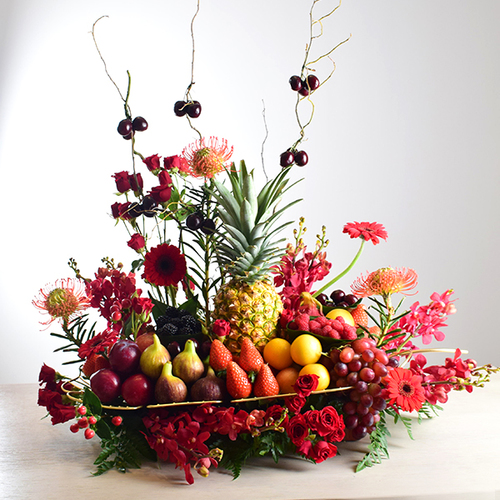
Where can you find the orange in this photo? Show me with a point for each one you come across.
(344, 313)
(319, 370)
(286, 378)
(305, 349)
(277, 353)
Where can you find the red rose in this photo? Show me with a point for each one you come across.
(323, 450)
(295, 403)
(153, 163)
(306, 384)
(313, 419)
(297, 429)
(120, 210)
(122, 181)
(161, 194)
(136, 182)
(306, 449)
(61, 413)
(176, 162)
(331, 424)
(137, 242)
(221, 328)
(275, 414)
(47, 374)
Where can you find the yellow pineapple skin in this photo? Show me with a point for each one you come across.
(252, 311)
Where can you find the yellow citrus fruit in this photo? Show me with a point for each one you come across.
(286, 378)
(277, 353)
(305, 349)
(343, 313)
(319, 370)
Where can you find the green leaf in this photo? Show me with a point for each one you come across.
(92, 402)
(102, 429)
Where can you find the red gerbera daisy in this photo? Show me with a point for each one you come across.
(64, 300)
(164, 265)
(207, 158)
(405, 389)
(366, 230)
(385, 281)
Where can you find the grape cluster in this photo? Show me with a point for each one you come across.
(191, 108)
(361, 365)
(338, 298)
(127, 127)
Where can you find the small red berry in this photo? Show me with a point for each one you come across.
(74, 428)
(116, 316)
(92, 420)
(82, 410)
(117, 420)
(89, 433)
(83, 422)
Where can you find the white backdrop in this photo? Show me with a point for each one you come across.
(406, 133)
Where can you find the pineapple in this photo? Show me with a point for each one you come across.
(247, 248)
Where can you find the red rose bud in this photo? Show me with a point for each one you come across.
(161, 194)
(136, 182)
(137, 242)
(120, 210)
(153, 163)
(122, 180)
(177, 162)
(221, 328)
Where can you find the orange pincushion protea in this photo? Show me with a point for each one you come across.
(385, 281)
(207, 158)
(63, 300)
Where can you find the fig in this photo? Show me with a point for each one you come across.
(169, 388)
(153, 358)
(209, 388)
(187, 365)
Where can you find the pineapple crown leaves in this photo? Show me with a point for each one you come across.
(248, 246)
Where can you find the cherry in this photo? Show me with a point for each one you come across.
(337, 296)
(208, 226)
(350, 299)
(304, 91)
(312, 82)
(194, 109)
(129, 136)
(194, 221)
(322, 298)
(180, 108)
(286, 159)
(301, 158)
(139, 124)
(125, 127)
(295, 83)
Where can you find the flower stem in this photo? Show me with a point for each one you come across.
(344, 272)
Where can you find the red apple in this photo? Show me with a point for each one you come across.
(124, 357)
(137, 390)
(105, 384)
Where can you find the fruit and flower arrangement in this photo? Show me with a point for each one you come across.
(235, 350)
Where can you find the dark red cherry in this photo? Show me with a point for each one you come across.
(301, 158)
(208, 226)
(295, 83)
(125, 127)
(194, 109)
(194, 221)
(180, 108)
(304, 91)
(286, 159)
(139, 124)
(312, 82)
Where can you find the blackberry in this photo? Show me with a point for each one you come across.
(161, 321)
(171, 312)
(185, 330)
(183, 313)
(167, 330)
(176, 322)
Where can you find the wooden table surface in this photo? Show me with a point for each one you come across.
(454, 456)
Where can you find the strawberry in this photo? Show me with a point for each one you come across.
(250, 358)
(237, 382)
(94, 363)
(265, 383)
(359, 315)
(220, 355)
